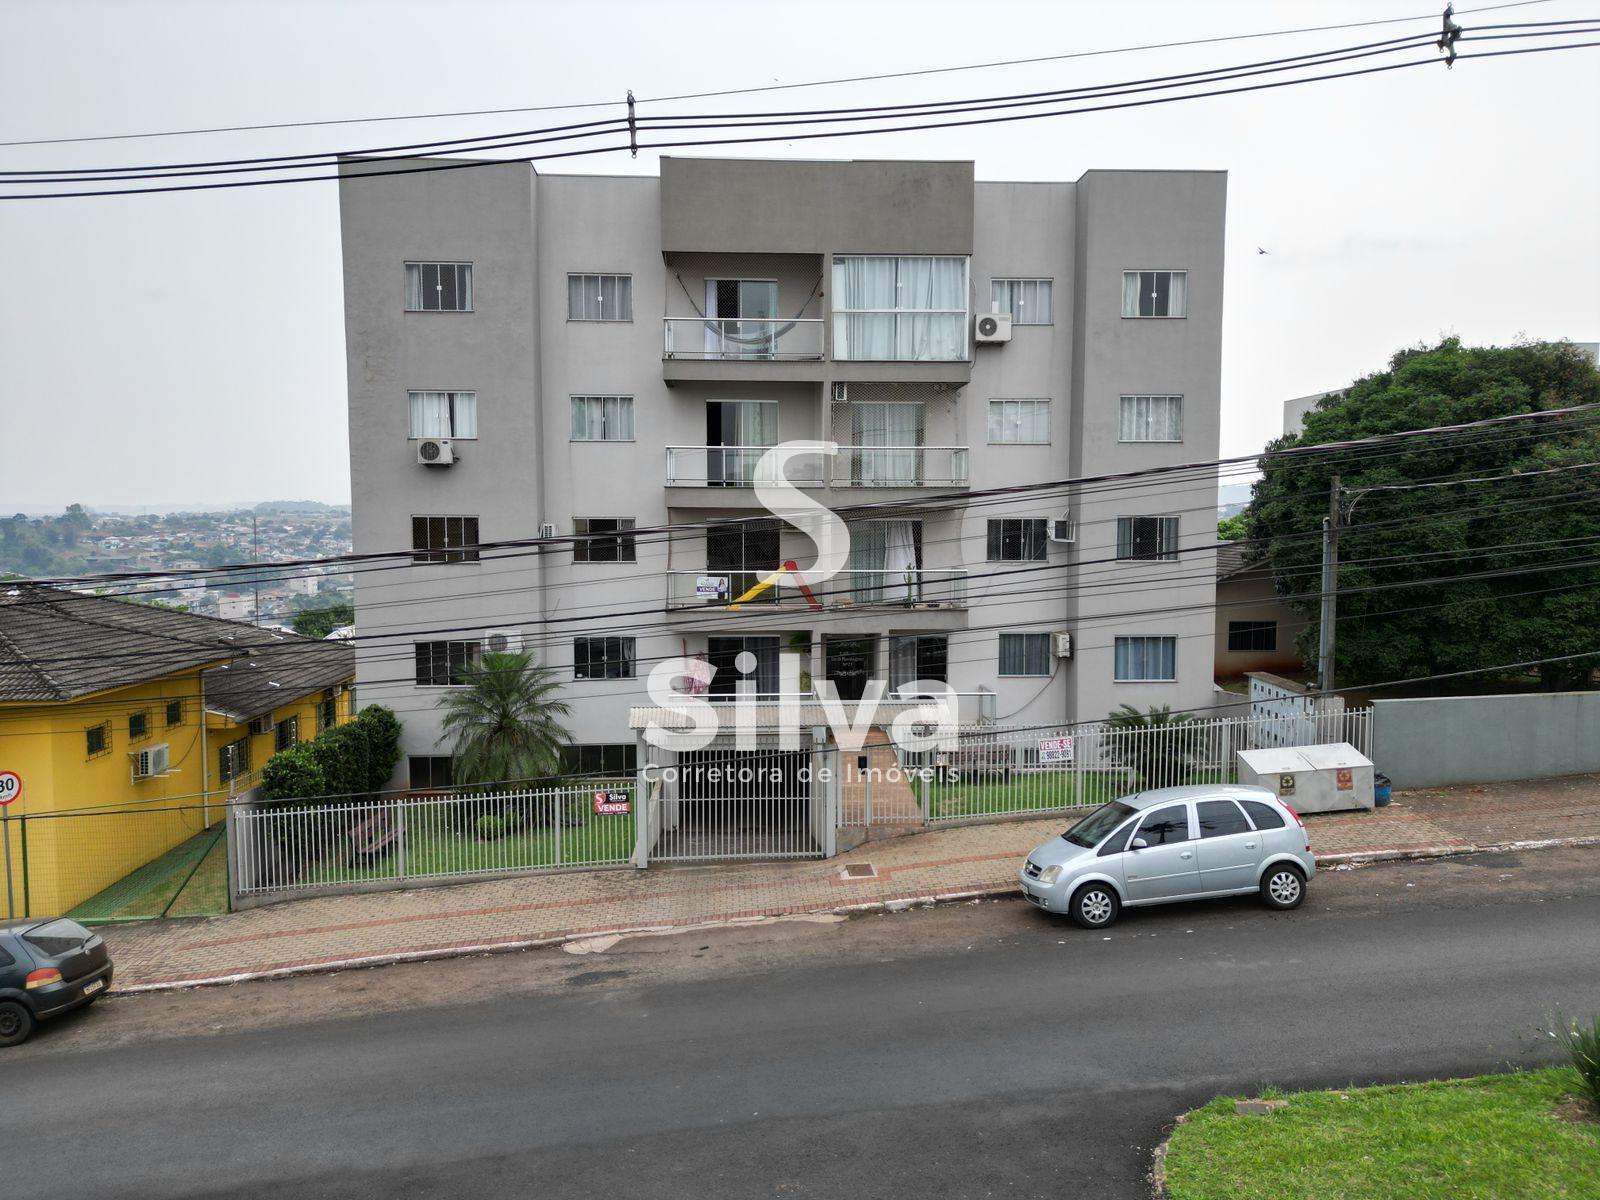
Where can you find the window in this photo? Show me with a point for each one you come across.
(174, 713)
(1252, 635)
(723, 655)
(444, 414)
(438, 287)
(1166, 825)
(900, 309)
(1263, 815)
(138, 726)
(1219, 818)
(439, 664)
(1118, 842)
(599, 297)
(57, 938)
(1017, 539)
(1155, 293)
(1146, 659)
(233, 760)
(287, 733)
(1024, 654)
(430, 770)
(1151, 419)
(444, 539)
(602, 418)
(1027, 300)
(327, 713)
(1147, 538)
(603, 539)
(1019, 422)
(916, 658)
(602, 658)
(609, 758)
(97, 739)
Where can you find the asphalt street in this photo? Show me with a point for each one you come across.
(1028, 1059)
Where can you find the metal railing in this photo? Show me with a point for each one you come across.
(742, 339)
(923, 588)
(291, 848)
(997, 772)
(854, 466)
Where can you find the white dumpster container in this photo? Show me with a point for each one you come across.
(1311, 779)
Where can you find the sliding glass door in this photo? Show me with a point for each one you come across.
(741, 317)
(737, 433)
(888, 441)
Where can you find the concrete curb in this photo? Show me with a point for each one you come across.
(887, 904)
(1158, 1161)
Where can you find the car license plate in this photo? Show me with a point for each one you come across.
(92, 988)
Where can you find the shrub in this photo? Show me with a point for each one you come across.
(490, 828)
(292, 774)
(342, 754)
(1582, 1044)
(382, 729)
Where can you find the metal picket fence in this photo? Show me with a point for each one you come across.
(997, 772)
(280, 850)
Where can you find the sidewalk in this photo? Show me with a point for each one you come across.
(330, 931)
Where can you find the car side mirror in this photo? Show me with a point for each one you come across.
(1139, 844)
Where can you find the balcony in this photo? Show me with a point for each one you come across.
(925, 588)
(742, 348)
(853, 467)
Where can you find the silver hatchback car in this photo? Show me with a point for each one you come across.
(1179, 843)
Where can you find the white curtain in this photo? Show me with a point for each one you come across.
(901, 584)
(864, 283)
(1178, 301)
(1130, 293)
(1151, 419)
(932, 283)
(901, 290)
(430, 414)
(888, 435)
(883, 562)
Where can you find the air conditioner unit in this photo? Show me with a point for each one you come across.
(1064, 530)
(502, 641)
(435, 452)
(1063, 643)
(992, 328)
(151, 762)
(547, 531)
(841, 393)
(262, 724)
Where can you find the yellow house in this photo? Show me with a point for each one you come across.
(129, 726)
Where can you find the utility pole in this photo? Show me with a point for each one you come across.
(255, 574)
(1330, 589)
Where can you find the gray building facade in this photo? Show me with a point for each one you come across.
(610, 355)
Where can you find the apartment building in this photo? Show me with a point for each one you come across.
(596, 357)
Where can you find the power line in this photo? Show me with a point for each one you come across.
(618, 103)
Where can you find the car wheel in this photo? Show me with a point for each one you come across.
(1283, 886)
(16, 1022)
(1095, 905)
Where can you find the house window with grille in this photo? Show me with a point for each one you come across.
(1019, 422)
(440, 664)
(602, 658)
(1017, 539)
(233, 760)
(914, 658)
(444, 539)
(1027, 300)
(327, 713)
(97, 739)
(1146, 659)
(603, 539)
(1147, 539)
(444, 414)
(174, 713)
(1155, 293)
(287, 733)
(1249, 636)
(602, 418)
(438, 287)
(1151, 419)
(599, 297)
(430, 771)
(1024, 654)
(138, 726)
(600, 759)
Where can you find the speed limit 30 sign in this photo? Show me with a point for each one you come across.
(10, 787)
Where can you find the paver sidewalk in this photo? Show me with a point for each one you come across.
(946, 863)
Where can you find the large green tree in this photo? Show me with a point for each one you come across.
(505, 720)
(1511, 560)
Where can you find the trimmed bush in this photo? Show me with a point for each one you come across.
(349, 761)
(293, 773)
(490, 828)
(382, 728)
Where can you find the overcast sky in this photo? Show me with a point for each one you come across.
(187, 349)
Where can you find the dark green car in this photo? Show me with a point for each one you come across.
(48, 966)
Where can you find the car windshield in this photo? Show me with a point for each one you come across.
(1092, 829)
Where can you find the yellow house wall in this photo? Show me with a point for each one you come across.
(86, 822)
(222, 731)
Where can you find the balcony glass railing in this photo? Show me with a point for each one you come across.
(736, 466)
(926, 587)
(730, 339)
(900, 466)
(853, 466)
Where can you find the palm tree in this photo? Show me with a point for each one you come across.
(1161, 745)
(505, 720)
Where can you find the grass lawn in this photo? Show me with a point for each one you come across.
(1039, 791)
(1491, 1138)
